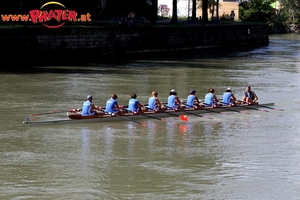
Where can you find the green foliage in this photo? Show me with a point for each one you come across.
(256, 11)
(225, 17)
(291, 10)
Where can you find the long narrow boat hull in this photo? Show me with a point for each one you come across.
(77, 118)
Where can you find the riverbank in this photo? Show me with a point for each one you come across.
(103, 42)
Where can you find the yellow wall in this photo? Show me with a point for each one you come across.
(224, 7)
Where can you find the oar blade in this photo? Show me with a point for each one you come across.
(278, 109)
(144, 124)
(183, 117)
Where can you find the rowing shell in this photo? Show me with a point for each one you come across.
(77, 117)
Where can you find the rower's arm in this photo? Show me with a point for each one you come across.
(216, 99)
(158, 102)
(178, 100)
(244, 98)
(255, 97)
(233, 97)
(93, 107)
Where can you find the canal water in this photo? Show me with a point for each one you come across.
(232, 156)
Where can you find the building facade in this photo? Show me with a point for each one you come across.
(184, 8)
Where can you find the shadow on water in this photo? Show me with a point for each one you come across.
(94, 65)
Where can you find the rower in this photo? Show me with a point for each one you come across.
(134, 105)
(250, 96)
(228, 98)
(210, 98)
(153, 103)
(88, 108)
(173, 101)
(112, 106)
(192, 100)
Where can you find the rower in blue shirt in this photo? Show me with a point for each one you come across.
(192, 100)
(112, 106)
(228, 98)
(153, 103)
(173, 101)
(134, 104)
(210, 98)
(88, 107)
(249, 96)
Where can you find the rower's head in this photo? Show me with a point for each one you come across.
(133, 96)
(173, 92)
(211, 90)
(248, 88)
(89, 98)
(192, 91)
(113, 96)
(228, 90)
(154, 94)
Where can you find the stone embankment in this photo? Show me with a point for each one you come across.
(82, 44)
(292, 28)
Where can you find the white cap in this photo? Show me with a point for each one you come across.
(173, 90)
(228, 88)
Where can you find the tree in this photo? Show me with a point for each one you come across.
(292, 9)
(217, 9)
(174, 19)
(256, 11)
(153, 12)
(204, 12)
(194, 7)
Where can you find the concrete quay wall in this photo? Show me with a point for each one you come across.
(98, 42)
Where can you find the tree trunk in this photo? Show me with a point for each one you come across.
(174, 19)
(154, 11)
(217, 11)
(194, 10)
(204, 12)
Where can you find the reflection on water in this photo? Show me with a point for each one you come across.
(231, 156)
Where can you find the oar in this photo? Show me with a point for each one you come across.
(238, 111)
(143, 124)
(263, 106)
(146, 115)
(210, 110)
(248, 107)
(183, 118)
(270, 107)
(192, 113)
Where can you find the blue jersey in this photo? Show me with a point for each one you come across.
(151, 103)
(226, 98)
(190, 101)
(133, 105)
(86, 109)
(250, 95)
(171, 101)
(110, 105)
(209, 99)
